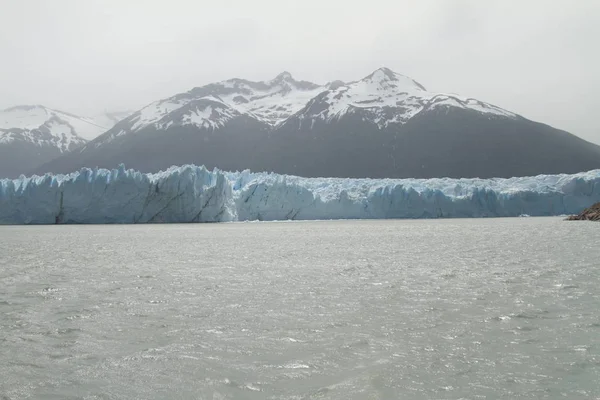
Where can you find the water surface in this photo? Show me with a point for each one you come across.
(438, 309)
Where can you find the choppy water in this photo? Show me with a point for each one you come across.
(446, 309)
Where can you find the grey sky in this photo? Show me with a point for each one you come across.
(539, 58)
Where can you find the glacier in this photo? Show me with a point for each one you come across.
(195, 194)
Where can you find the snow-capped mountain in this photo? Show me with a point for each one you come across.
(68, 128)
(32, 135)
(385, 97)
(43, 126)
(212, 106)
(383, 125)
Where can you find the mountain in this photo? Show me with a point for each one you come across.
(384, 125)
(233, 117)
(108, 119)
(33, 135)
(388, 125)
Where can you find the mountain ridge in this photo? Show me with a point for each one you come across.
(31, 135)
(383, 125)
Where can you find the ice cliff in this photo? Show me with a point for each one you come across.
(195, 194)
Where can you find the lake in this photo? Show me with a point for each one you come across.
(416, 309)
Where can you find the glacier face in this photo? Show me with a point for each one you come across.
(195, 194)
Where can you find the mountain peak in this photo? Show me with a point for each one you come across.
(287, 81)
(333, 85)
(383, 73)
(284, 76)
(37, 116)
(385, 76)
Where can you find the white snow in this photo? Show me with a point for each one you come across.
(22, 118)
(275, 104)
(473, 104)
(32, 117)
(194, 194)
(271, 102)
(64, 134)
(6, 137)
(385, 92)
(58, 129)
(199, 117)
(386, 96)
(63, 130)
(207, 116)
(154, 112)
(53, 132)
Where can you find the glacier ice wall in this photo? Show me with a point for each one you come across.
(195, 194)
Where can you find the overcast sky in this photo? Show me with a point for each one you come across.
(539, 58)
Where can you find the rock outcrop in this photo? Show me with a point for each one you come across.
(589, 214)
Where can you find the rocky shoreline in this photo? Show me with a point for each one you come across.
(589, 214)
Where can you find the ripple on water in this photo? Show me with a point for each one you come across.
(344, 310)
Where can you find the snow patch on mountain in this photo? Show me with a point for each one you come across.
(468, 103)
(44, 126)
(270, 102)
(281, 98)
(32, 117)
(208, 114)
(387, 98)
(384, 97)
(153, 112)
(52, 134)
